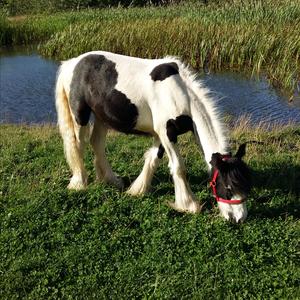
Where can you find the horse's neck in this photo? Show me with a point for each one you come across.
(209, 130)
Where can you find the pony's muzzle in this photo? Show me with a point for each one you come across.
(236, 213)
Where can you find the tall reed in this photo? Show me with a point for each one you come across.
(5, 30)
(260, 37)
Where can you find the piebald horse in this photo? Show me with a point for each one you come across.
(157, 97)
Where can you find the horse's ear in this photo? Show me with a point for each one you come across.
(216, 160)
(241, 151)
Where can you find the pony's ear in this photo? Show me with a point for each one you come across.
(216, 160)
(241, 151)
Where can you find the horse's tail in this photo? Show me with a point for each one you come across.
(64, 116)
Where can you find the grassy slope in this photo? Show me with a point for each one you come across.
(260, 37)
(101, 243)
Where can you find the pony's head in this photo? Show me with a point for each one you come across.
(231, 184)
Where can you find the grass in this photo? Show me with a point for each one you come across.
(257, 37)
(101, 243)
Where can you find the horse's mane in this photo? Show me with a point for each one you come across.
(203, 98)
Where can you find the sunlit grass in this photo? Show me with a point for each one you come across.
(101, 243)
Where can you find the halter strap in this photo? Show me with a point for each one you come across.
(213, 184)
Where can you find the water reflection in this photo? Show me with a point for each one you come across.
(27, 93)
(238, 95)
(27, 89)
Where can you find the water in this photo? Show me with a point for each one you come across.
(238, 95)
(27, 88)
(27, 93)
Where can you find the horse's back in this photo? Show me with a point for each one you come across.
(118, 89)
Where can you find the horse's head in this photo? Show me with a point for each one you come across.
(231, 184)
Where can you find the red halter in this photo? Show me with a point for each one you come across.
(213, 184)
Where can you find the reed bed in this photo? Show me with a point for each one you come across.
(260, 37)
(5, 31)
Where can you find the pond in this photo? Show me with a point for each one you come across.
(27, 93)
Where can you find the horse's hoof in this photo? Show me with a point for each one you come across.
(138, 188)
(115, 181)
(134, 191)
(76, 185)
(118, 183)
(192, 208)
(78, 182)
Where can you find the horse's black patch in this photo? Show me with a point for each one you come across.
(233, 173)
(181, 125)
(161, 151)
(116, 110)
(172, 131)
(163, 71)
(93, 88)
(83, 113)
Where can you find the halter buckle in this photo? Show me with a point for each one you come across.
(213, 183)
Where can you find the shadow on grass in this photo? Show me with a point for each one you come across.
(277, 181)
(280, 211)
(279, 176)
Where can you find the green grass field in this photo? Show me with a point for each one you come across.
(102, 244)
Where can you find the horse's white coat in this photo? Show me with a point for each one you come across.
(157, 102)
(142, 184)
(237, 212)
